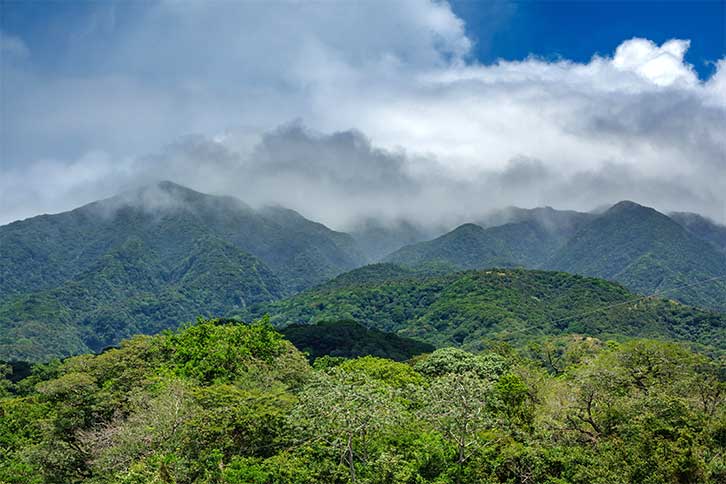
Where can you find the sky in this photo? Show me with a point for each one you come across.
(425, 110)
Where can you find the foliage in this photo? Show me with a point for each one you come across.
(143, 261)
(649, 253)
(350, 339)
(222, 402)
(480, 309)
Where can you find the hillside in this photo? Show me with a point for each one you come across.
(648, 252)
(510, 237)
(702, 227)
(41, 252)
(471, 246)
(125, 293)
(560, 223)
(637, 246)
(145, 260)
(476, 307)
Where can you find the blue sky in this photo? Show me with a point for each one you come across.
(577, 29)
(413, 108)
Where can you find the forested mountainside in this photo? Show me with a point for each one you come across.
(480, 309)
(649, 253)
(238, 404)
(637, 246)
(469, 246)
(560, 223)
(145, 260)
(142, 261)
(703, 227)
(41, 252)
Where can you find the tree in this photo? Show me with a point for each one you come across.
(458, 406)
(345, 411)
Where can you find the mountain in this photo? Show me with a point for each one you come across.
(127, 292)
(147, 259)
(702, 227)
(376, 238)
(637, 246)
(471, 246)
(648, 252)
(560, 223)
(517, 306)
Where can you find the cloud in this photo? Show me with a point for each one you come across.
(395, 117)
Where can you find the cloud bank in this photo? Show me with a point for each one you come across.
(342, 112)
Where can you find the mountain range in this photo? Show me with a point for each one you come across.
(643, 249)
(480, 307)
(148, 259)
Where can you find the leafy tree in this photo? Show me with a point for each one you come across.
(459, 406)
(345, 412)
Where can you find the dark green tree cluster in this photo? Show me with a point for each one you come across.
(350, 339)
(219, 402)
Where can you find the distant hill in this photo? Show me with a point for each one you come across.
(473, 307)
(643, 249)
(146, 260)
(648, 252)
(470, 246)
(376, 238)
(560, 223)
(702, 227)
(510, 237)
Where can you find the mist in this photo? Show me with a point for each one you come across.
(302, 106)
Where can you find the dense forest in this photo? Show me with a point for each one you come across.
(479, 309)
(223, 402)
(680, 257)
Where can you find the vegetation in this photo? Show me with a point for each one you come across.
(481, 309)
(681, 257)
(218, 402)
(142, 261)
(473, 247)
(649, 253)
(349, 339)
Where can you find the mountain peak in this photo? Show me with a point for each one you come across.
(627, 205)
(468, 228)
(169, 186)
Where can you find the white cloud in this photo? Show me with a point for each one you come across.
(435, 133)
(663, 66)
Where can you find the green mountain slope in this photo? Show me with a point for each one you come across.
(127, 292)
(41, 252)
(639, 247)
(648, 252)
(702, 227)
(147, 259)
(560, 223)
(473, 247)
(376, 238)
(470, 308)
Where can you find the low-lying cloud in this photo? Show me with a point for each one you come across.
(399, 122)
